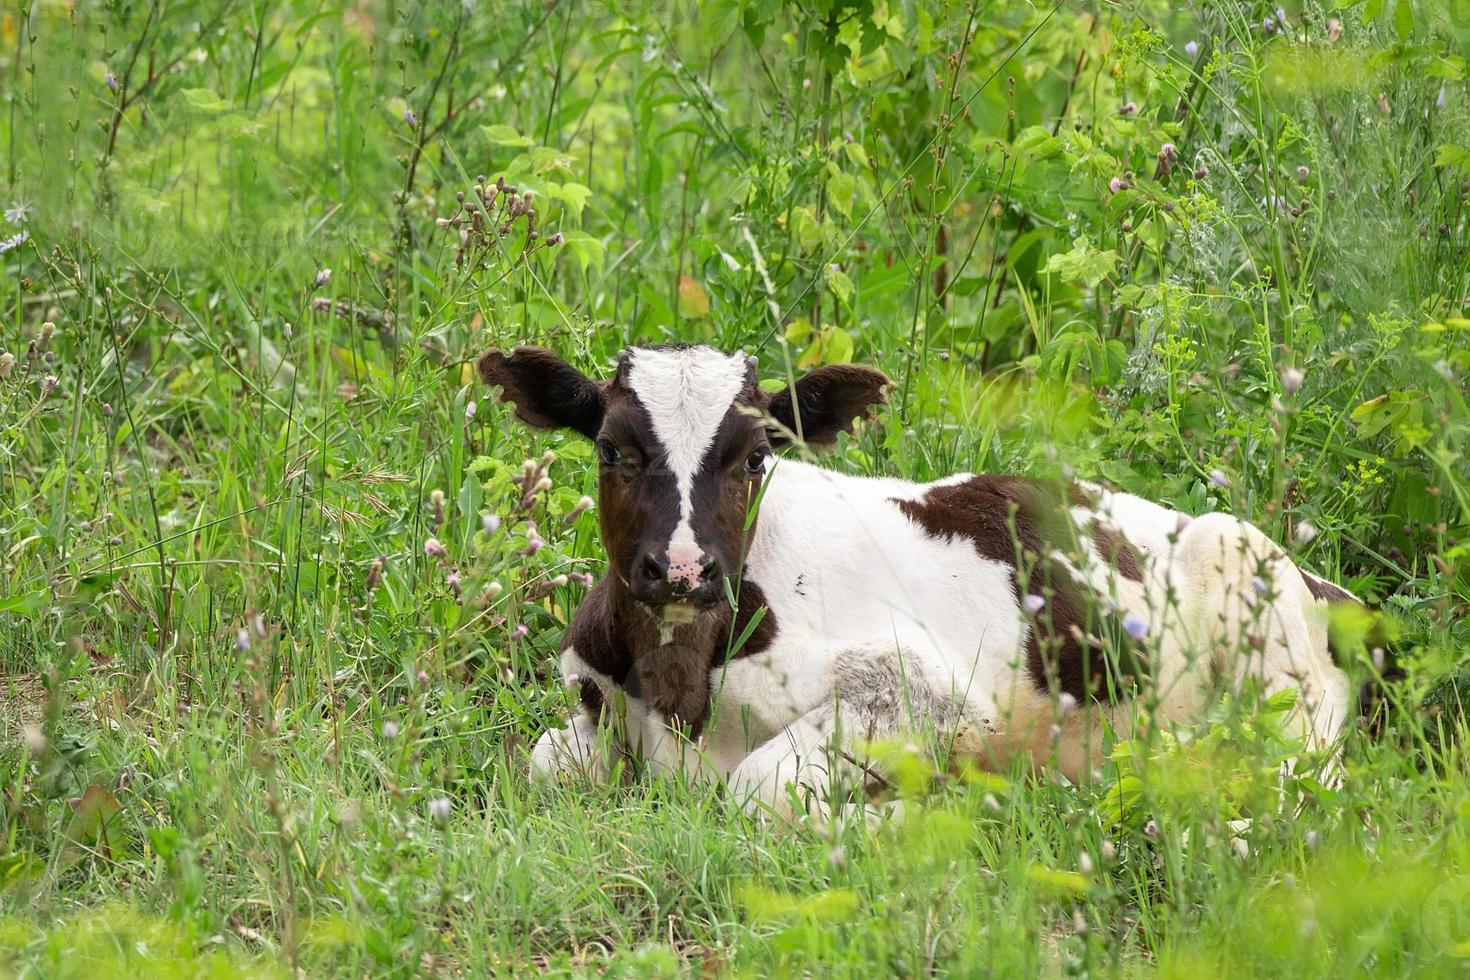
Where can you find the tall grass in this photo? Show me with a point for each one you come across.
(280, 596)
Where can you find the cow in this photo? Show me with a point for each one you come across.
(762, 619)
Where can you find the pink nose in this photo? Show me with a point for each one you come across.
(686, 565)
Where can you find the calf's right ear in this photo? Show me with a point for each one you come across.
(546, 391)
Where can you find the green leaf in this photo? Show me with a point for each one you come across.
(1450, 155)
(840, 284)
(1403, 20)
(841, 192)
(574, 195)
(25, 603)
(503, 135)
(1083, 263)
(590, 252)
(205, 100)
(719, 18)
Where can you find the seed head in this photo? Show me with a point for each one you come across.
(390, 729)
(1291, 380)
(1219, 479)
(242, 639)
(490, 523)
(323, 277)
(1168, 151)
(439, 808)
(1302, 173)
(1305, 532)
(7, 364)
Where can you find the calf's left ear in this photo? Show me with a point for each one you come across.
(547, 392)
(827, 402)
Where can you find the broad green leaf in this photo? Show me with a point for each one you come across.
(503, 135)
(205, 100)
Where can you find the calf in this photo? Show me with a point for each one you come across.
(761, 618)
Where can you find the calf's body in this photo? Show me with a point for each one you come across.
(1011, 616)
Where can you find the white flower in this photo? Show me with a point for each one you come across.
(1033, 604)
(439, 808)
(1291, 380)
(1191, 48)
(15, 241)
(1305, 532)
(391, 729)
(1135, 626)
(18, 213)
(490, 523)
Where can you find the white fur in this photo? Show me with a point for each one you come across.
(686, 393)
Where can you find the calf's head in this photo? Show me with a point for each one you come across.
(684, 437)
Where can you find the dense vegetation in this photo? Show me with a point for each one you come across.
(280, 603)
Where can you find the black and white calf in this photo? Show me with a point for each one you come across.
(1014, 616)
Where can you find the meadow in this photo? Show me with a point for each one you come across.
(281, 584)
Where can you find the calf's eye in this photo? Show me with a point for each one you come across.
(608, 453)
(755, 463)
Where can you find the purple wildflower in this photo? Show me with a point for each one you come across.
(1135, 626)
(1033, 604)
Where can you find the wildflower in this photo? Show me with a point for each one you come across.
(1191, 48)
(374, 575)
(410, 119)
(35, 739)
(1219, 479)
(1084, 863)
(470, 409)
(18, 213)
(323, 277)
(111, 81)
(7, 364)
(991, 802)
(390, 729)
(14, 241)
(1135, 626)
(560, 580)
(433, 549)
(492, 592)
(555, 237)
(455, 583)
(534, 544)
(1305, 532)
(582, 506)
(1117, 184)
(436, 500)
(1033, 604)
(1202, 172)
(574, 679)
(1109, 851)
(242, 639)
(1168, 152)
(490, 523)
(520, 632)
(1258, 585)
(583, 578)
(1151, 830)
(1334, 29)
(1067, 703)
(49, 384)
(1291, 380)
(439, 808)
(1129, 108)
(1439, 99)
(1311, 840)
(421, 678)
(1302, 173)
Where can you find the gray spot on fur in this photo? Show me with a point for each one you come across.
(884, 692)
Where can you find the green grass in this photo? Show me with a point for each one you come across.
(227, 728)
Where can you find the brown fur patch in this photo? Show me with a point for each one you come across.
(1019, 522)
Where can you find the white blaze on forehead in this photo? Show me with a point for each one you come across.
(686, 393)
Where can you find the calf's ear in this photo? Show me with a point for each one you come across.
(547, 392)
(826, 402)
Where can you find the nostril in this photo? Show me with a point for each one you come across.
(709, 568)
(654, 569)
